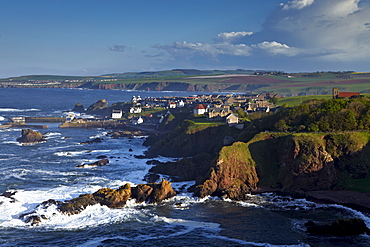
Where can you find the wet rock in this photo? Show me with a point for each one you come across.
(101, 162)
(151, 177)
(113, 198)
(344, 227)
(140, 156)
(76, 205)
(102, 157)
(96, 140)
(153, 192)
(31, 136)
(10, 195)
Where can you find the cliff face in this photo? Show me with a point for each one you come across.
(310, 161)
(305, 164)
(290, 162)
(233, 175)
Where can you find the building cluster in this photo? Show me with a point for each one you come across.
(215, 107)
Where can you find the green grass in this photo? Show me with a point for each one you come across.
(296, 100)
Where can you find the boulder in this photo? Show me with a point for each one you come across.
(31, 136)
(76, 205)
(79, 108)
(101, 162)
(113, 198)
(153, 192)
(344, 227)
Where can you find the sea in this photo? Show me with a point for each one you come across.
(48, 170)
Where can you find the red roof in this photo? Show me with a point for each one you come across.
(347, 94)
(200, 106)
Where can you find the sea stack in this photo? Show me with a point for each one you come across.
(30, 136)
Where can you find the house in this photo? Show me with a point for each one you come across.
(116, 113)
(135, 110)
(217, 113)
(180, 104)
(232, 119)
(263, 109)
(337, 95)
(200, 109)
(137, 120)
(172, 105)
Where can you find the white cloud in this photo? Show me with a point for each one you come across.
(205, 49)
(297, 4)
(275, 48)
(231, 36)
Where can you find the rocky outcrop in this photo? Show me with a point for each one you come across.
(79, 108)
(98, 107)
(128, 133)
(101, 162)
(31, 136)
(233, 176)
(112, 198)
(153, 192)
(344, 227)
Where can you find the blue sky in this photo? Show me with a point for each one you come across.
(95, 37)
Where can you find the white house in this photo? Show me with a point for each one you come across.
(180, 103)
(172, 105)
(232, 119)
(137, 120)
(135, 110)
(200, 109)
(116, 113)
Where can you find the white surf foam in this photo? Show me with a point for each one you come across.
(17, 110)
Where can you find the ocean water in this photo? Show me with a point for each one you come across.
(38, 172)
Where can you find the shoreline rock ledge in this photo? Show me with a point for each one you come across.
(112, 198)
(31, 136)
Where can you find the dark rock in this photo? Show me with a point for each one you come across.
(79, 108)
(151, 177)
(101, 162)
(102, 157)
(130, 150)
(96, 140)
(344, 227)
(77, 205)
(140, 156)
(10, 195)
(30, 136)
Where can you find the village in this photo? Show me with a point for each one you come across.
(150, 112)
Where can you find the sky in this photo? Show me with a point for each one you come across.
(96, 37)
